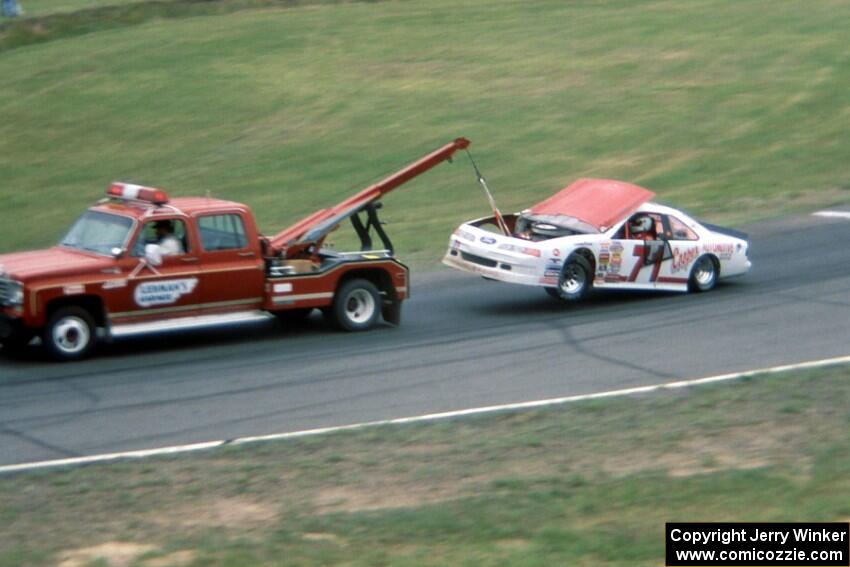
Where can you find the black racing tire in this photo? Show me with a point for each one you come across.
(575, 280)
(704, 274)
(70, 334)
(357, 306)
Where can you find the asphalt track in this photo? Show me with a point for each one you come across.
(464, 342)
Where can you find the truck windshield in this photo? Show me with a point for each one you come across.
(98, 232)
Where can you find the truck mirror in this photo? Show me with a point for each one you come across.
(153, 254)
(116, 252)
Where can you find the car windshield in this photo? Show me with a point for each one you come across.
(98, 232)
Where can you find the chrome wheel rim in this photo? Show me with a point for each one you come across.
(704, 272)
(359, 306)
(574, 280)
(71, 335)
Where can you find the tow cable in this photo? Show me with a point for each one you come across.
(500, 221)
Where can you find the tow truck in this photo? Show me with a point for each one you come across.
(112, 276)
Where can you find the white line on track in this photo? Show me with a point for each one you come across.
(420, 418)
(833, 214)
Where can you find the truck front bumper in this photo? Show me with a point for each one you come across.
(10, 323)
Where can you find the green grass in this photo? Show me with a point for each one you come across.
(584, 484)
(41, 8)
(732, 110)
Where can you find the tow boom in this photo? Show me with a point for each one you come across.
(312, 229)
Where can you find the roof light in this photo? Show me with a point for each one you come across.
(132, 192)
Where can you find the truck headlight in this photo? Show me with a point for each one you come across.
(15, 294)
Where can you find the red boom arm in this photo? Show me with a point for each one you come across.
(326, 219)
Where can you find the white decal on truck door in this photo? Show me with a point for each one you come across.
(164, 292)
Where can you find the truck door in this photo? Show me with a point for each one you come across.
(232, 271)
(152, 292)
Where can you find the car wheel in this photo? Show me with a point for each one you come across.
(703, 274)
(553, 292)
(575, 280)
(357, 305)
(69, 334)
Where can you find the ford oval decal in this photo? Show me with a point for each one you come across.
(488, 240)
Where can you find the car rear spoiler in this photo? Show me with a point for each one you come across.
(727, 231)
(311, 230)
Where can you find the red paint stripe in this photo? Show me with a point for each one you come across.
(640, 251)
(672, 280)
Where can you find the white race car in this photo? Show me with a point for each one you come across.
(599, 233)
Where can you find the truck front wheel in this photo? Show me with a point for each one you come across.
(356, 305)
(69, 334)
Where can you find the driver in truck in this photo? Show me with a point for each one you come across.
(169, 244)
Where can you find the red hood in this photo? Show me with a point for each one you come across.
(53, 262)
(598, 202)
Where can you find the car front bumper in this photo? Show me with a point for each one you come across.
(496, 268)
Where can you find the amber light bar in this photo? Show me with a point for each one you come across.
(132, 192)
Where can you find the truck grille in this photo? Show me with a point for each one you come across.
(478, 260)
(5, 291)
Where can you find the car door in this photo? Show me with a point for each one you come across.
(684, 250)
(629, 262)
(231, 267)
(146, 290)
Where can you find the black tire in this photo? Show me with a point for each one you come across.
(70, 334)
(553, 292)
(575, 280)
(357, 305)
(703, 274)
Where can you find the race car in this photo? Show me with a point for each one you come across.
(599, 233)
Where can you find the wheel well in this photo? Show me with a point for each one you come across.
(380, 278)
(91, 303)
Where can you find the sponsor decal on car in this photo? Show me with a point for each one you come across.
(683, 258)
(548, 280)
(487, 240)
(723, 251)
(163, 292)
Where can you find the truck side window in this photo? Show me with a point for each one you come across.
(149, 235)
(222, 232)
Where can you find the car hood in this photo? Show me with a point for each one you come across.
(50, 263)
(600, 203)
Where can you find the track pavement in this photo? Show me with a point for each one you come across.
(464, 342)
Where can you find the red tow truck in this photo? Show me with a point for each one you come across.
(114, 274)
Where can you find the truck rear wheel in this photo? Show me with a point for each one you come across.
(69, 334)
(357, 305)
